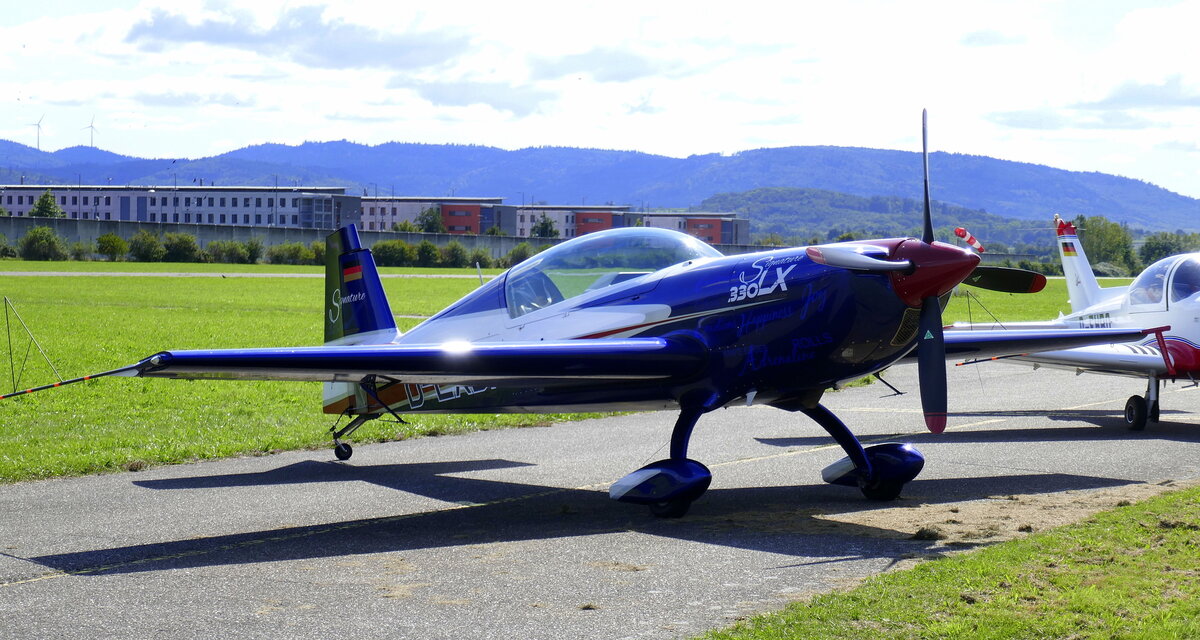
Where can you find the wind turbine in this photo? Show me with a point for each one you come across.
(92, 138)
(38, 124)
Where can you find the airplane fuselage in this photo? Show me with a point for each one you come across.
(776, 324)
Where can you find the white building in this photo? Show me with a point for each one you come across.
(299, 207)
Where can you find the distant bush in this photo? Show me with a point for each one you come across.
(41, 243)
(1046, 268)
(228, 252)
(6, 250)
(394, 253)
(453, 255)
(112, 246)
(480, 256)
(427, 254)
(290, 253)
(1110, 270)
(254, 250)
(146, 247)
(318, 249)
(82, 251)
(181, 247)
(519, 254)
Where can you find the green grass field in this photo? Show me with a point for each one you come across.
(1015, 307)
(87, 325)
(1133, 572)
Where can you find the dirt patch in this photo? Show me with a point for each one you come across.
(1000, 517)
(950, 526)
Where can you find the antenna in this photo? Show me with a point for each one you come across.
(92, 126)
(38, 124)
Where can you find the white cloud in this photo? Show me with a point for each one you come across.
(1065, 83)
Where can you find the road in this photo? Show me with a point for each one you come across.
(510, 534)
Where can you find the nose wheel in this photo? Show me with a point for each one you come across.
(343, 451)
(1136, 413)
(1142, 409)
(668, 487)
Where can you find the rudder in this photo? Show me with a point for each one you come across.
(356, 311)
(356, 308)
(1082, 286)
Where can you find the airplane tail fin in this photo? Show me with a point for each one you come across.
(356, 310)
(1081, 281)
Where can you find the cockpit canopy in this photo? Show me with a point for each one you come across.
(595, 261)
(1184, 281)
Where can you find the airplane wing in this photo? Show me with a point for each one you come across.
(1094, 350)
(530, 363)
(1116, 359)
(1021, 342)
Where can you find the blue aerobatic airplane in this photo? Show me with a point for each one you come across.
(644, 318)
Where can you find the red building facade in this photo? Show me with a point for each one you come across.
(462, 218)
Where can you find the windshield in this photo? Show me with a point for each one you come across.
(1148, 287)
(1186, 281)
(595, 261)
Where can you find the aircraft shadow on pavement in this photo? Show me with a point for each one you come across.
(428, 479)
(775, 519)
(1108, 428)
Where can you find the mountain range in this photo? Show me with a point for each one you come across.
(562, 175)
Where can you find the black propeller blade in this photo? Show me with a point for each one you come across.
(931, 365)
(931, 346)
(1006, 279)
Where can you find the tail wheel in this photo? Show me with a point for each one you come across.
(343, 451)
(1136, 413)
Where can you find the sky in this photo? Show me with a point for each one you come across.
(1095, 85)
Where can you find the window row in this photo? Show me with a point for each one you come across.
(220, 218)
(164, 201)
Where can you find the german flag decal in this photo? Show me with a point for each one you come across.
(353, 272)
(1069, 249)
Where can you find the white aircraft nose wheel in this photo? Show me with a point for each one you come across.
(343, 451)
(1135, 413)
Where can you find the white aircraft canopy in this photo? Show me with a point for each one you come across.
(1182, 272)
(1186, 281)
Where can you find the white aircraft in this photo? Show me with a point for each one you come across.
(1165, 296)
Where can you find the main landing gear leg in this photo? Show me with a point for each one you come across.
(1139, 410)
(879, 471)
(669, 486)
(343, 450)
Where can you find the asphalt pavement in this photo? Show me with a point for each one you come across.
(510, 534)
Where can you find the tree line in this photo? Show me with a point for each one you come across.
(42, 243)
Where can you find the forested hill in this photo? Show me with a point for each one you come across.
(802, 216)
(560, 175)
